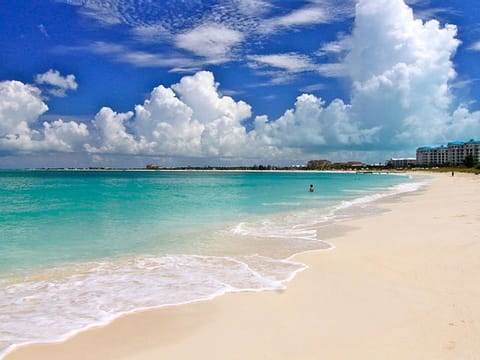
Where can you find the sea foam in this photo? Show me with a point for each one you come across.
(252, 254)
(103, 291)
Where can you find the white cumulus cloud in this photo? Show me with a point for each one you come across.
(401, 68)
(401, 71)
(189, 119)
(57, 85)
(112, 133)
(21, 105)
(168, 124)
(64, 136)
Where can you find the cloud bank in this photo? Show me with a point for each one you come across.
(400, 70)
(20, 108)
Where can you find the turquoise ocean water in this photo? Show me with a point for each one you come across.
(78, 248)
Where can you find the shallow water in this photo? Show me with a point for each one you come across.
(80, 248)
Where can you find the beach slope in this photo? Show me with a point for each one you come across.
(400, 285)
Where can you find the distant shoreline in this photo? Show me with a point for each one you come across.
(363, 170)
(390, 171)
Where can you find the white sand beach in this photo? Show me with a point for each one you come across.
(400, 285)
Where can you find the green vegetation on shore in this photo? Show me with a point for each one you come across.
(463, 169)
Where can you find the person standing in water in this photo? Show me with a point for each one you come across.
(311, 188)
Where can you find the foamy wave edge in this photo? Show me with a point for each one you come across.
(269, 281)
(398, 189)
(364, 200)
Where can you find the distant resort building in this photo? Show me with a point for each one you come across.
(454, 153)
(401, 163)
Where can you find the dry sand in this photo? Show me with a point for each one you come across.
(401, 285)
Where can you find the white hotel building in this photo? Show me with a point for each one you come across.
(452, 154)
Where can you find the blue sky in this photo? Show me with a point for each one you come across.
(192, 82)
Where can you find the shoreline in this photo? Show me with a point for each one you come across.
(343, 208)
(111, 340)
